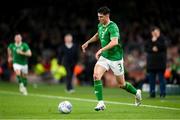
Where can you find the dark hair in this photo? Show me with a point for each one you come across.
(104, 10)
(16, 33)
(154, 28)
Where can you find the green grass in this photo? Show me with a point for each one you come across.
(13, 105)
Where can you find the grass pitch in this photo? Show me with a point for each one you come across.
(43, 99)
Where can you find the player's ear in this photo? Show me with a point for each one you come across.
(107, 15)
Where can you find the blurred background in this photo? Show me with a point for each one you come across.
(43, 25)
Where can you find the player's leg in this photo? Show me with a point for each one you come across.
(99, 70)
(98, 73)
(18, 75)
(24, 80)
(118, 69)
(24, 72)
(125, 85)
(20, 80)
(17, 70)
(129, 88)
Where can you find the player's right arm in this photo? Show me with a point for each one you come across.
(9, 55)
(27, 52)
(93, 39)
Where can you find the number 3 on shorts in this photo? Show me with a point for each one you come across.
(120, 67)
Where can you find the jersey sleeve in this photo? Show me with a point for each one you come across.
(26, 47)
(10, 46)
(114, 31)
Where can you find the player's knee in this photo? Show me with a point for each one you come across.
(23, 75)
(96, 76)
(121, 81)
(18, 72)
(121, 84)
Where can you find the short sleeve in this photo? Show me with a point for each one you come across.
(114, 31)
(10, 46)
(26, 47)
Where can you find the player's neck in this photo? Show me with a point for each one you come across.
(18, 44)
(107, 23)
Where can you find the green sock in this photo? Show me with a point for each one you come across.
(24, 80)
(19, 79)
(130, 88)
(98, 89)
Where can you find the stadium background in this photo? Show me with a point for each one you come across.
(44, 23)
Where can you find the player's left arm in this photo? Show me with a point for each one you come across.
(9, 54)
(114, 42)
(114, 35)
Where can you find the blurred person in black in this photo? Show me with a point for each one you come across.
(68, 56)
(156, 61)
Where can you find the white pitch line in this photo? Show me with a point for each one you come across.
(87, 100)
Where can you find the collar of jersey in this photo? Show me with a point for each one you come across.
(17, 45)
(107, 24)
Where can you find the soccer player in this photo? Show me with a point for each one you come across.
(110, 56)
(18, 52)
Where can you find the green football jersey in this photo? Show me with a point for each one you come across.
(17, 58)
(105, 34)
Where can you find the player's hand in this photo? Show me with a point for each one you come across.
(98, 53)
(84, 46)
(155, 49)
(20, 52)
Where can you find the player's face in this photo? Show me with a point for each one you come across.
(18, 38)
(102, 18)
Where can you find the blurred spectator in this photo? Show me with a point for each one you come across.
(57, 71)
(135, 65)
(51, 74)
(42, 68)
(5, 72)
(156, 61)
(176, 69)
(89, 63)
(68, 56)
(43, 25)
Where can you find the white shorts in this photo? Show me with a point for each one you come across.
(116, 66)
(22, 68)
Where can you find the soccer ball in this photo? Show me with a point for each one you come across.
(65, 107)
